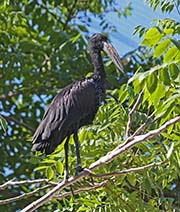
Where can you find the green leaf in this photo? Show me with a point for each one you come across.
(74, 39)
(83, 208)
(60, 167)
(164, 76)
(158, 94)
(152, 37)
(136, 29)
(139, 76)
(138, 86)
(123, 94)
(51, 161)
(82, 28)
(174, 71)
(161, 48)
(168, 31)
(151, 82)
(167, 111)
(176, 43)
(171, 54)
(40, 168)
(49, 173)
(173, 98)
(170, 150)
(34, 160)
(142, 76)
(132, 179)
(3, 123)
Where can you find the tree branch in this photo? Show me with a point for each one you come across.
(22, 196)
(70, 13)
(24, 182)
(132, 141)
(50, 195)
(94, 187)
(127, 171)
(66, 194)
(103, 160)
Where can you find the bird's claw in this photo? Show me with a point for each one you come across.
(79, 169)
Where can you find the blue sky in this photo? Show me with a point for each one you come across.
(142, 14)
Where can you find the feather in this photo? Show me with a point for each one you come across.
(75, 106)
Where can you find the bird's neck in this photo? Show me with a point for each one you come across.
(98, 63)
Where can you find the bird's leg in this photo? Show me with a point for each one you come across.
(79, 165)
(77, 144)
(66, 170)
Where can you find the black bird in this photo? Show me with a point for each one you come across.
(76, 105)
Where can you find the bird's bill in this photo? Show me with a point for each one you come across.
(112, 53)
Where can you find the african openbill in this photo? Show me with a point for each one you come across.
(76, 105)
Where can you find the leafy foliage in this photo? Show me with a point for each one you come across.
(165, 6)
(43, 47)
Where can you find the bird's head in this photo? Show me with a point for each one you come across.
(99, 42)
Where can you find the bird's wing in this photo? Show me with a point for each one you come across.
(73, 104)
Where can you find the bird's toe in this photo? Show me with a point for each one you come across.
(79, 169)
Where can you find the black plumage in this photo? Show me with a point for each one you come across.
(76, 105)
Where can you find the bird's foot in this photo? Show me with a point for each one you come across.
(79, 169)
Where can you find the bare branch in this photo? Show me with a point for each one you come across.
(24, 182)
(127, 171)
(6, 184)
(103, 160)
(66, 194)
(132, 113)
(50, 195)
(94, 187)
(22, 196)
(132, 142)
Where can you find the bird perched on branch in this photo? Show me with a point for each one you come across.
(76, 105)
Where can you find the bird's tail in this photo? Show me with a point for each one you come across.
(43, 146)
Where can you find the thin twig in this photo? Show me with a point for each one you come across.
(70, 13)
(133, 141)
(103, 160)
(94, 187)
(50, 195)
(127, 171)
(23, 196)
(24, 182)
(132, 114)
(6, 184)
